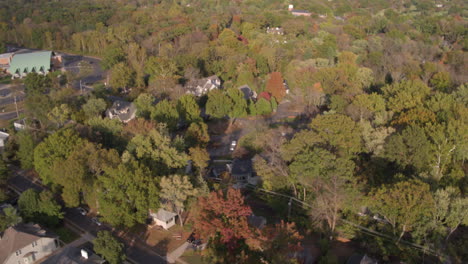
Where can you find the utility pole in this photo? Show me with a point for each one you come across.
(81, 87)
(289, 208)
(16, 106)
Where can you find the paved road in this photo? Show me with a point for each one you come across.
(135, 250)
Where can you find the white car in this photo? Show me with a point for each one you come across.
(82, 211)
(233, 145)
(96, 221)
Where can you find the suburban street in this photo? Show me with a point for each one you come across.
(136, 250)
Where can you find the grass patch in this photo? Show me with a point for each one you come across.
(193, 257)
(11, 107)
(65, 234)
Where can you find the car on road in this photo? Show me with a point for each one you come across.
(82, 211)
(233, 145)
(96, 221)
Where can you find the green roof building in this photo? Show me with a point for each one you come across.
(24, 63)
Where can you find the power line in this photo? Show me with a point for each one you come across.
(359, 227)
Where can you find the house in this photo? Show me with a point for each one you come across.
(23, 63)
(275, 31)
(163, 218)
(5, 60)
(83, 254)
(122, 110)
(256, 221)
(3, 138)
(201, 87)
(296, 12)
(241, 170)
(26, 243)
(265, 95)
(249, 94)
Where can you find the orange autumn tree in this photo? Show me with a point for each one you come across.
(222, 218)
(275, 86)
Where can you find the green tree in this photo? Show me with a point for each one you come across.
(218, 105)
(94, 107)
(403, 205)
(166, 112)
(40, 208)
(339, 132)
(263, 107)
(239, 104)
(441, 81)
(59, 115)
(157, 151)
(163, 73)
(411, 147)
(112, 56)
(9, 218)
(109, 247)
(175, 190)
(144, 104)
(122, 76)
(188, 109)
(126, 194)
(25, 152)
(197, 135)
(405, 95)
(55, 148)
(36, 83)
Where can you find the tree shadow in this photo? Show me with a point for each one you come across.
(162, 246)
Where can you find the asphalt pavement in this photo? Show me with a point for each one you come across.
(136, 251)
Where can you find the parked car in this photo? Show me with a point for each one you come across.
(82, 211)
(233, 145)
(96, 221)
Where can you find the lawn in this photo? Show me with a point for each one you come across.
(192, 257)
(66, 235)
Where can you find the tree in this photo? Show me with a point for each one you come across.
(223, 217)
(403, 205)
(239, 104)
(122, 76)
(9, 218)
(405, 95)
(282, 241)
(175, 190)
(166, 112)
(188, 109)
(411, 148)
(40, 208)
(218, 105)
(339, 132)
(35, 83)
(25, 152)
(263, 107)
(157, 151)
(163, 73)
(112, 56)
(275, 86)
(55, 148)
(144, 104)
(128, 191)
(197, 135)
(441, 81)
(109, 247)
(59, 115)
(94, 107)
(4, 172)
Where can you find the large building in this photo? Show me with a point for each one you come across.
(23, 62)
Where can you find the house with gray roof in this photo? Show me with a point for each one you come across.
(163, 218)
(26, 243)
(122, 110)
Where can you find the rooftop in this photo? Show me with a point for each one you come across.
(29, 62)
(18, 237)
(163, 215)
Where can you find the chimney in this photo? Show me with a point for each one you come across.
(291, 7)
(84, 254)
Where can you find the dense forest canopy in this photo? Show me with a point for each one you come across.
(383, 127)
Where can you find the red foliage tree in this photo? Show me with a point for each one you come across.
(225, 215)
(275, 86)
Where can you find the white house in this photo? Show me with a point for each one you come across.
(3, 138)
(26, 244)
(163, 218)
(201, 87)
